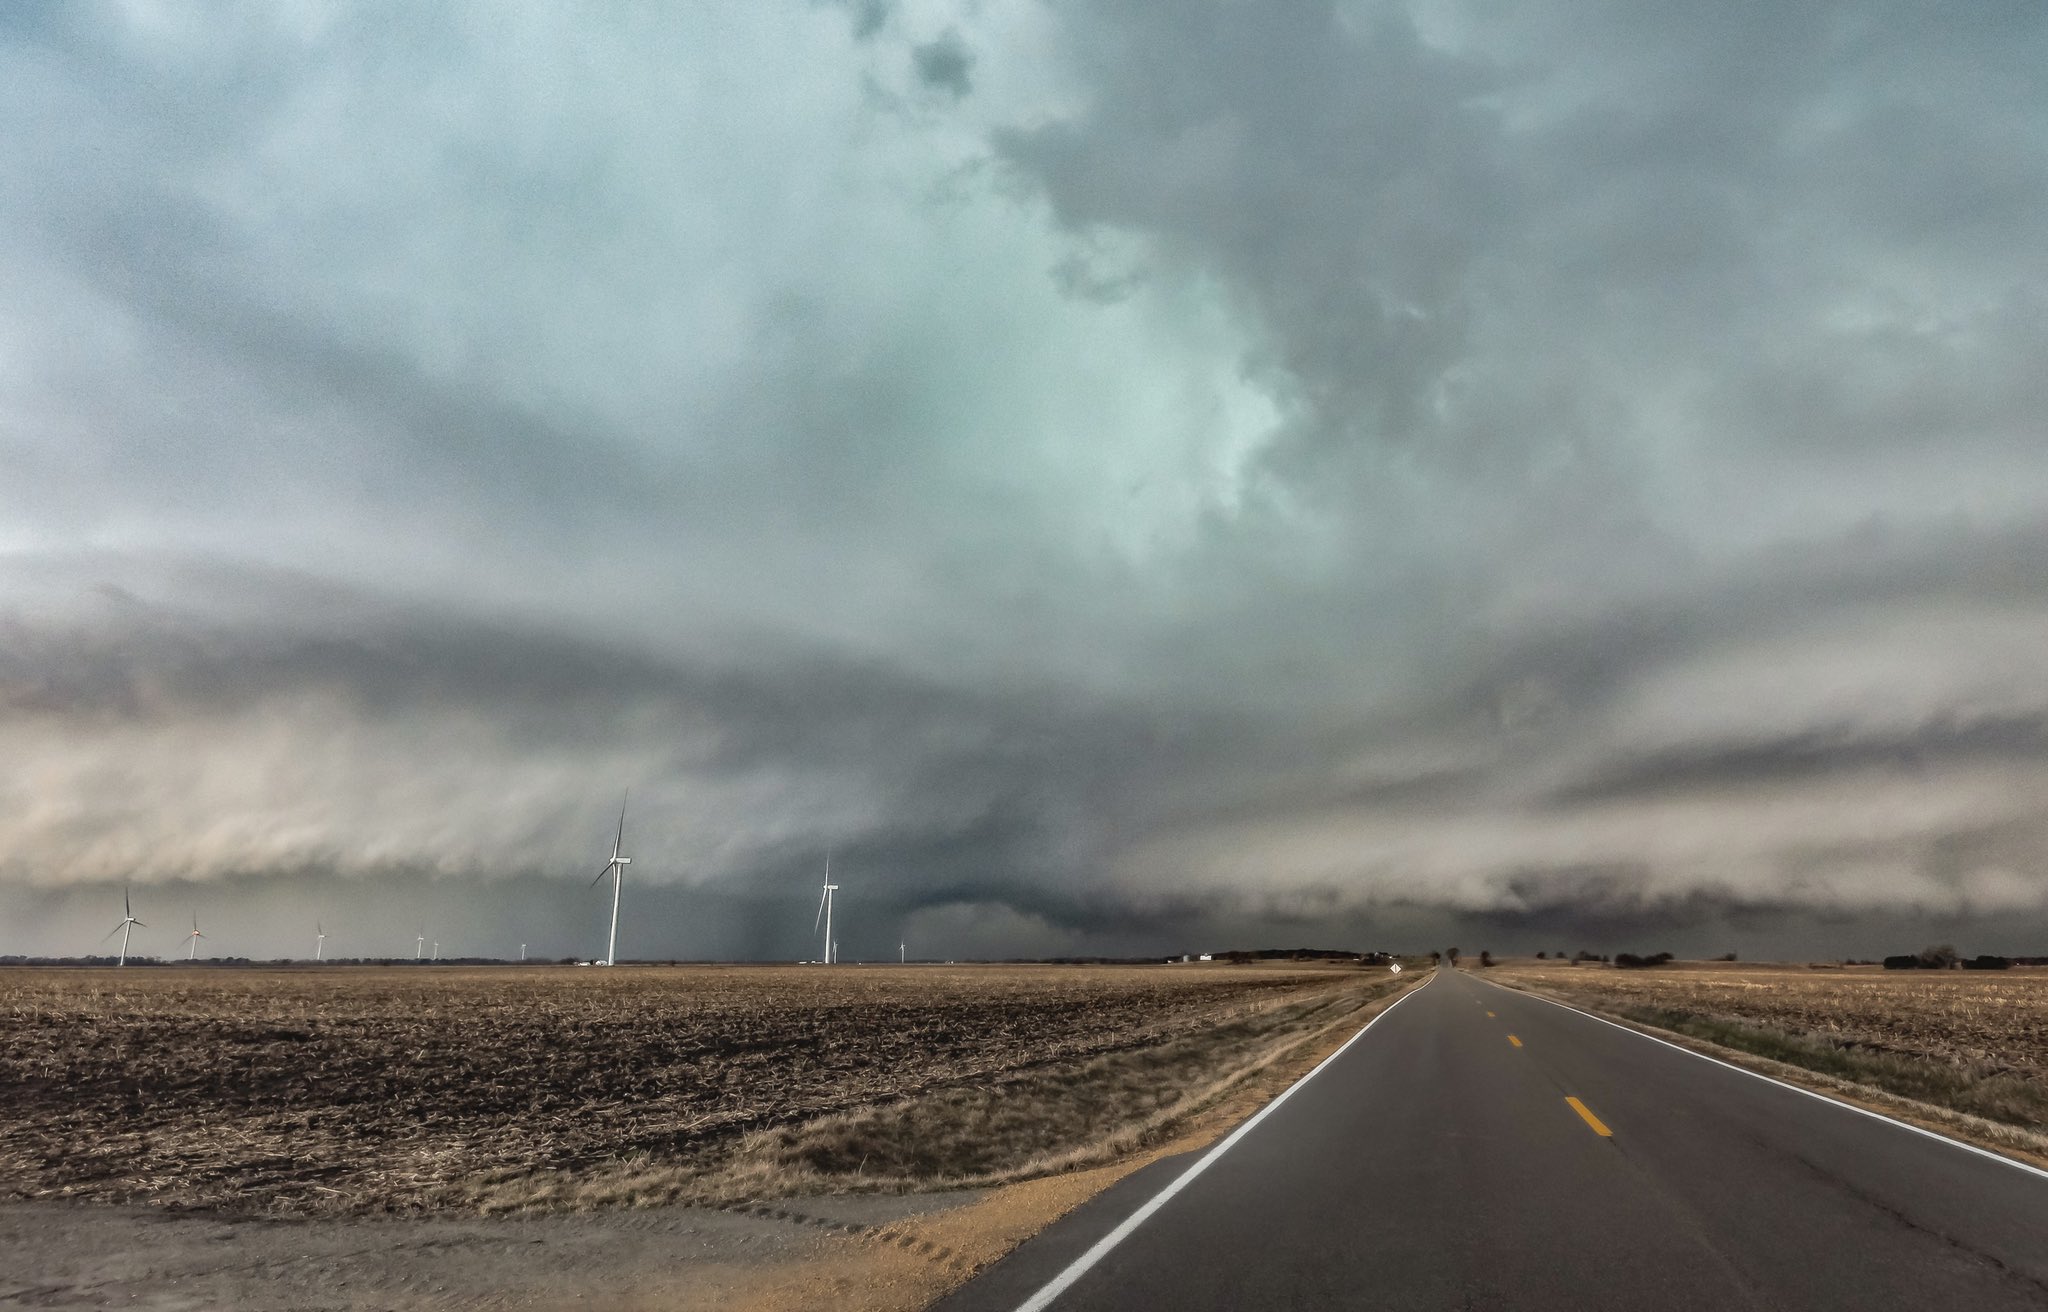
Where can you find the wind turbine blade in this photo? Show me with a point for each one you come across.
(819, 919)
(138, 924)
(609, 866)
(115, 930)
(126, 910)
(620, 843)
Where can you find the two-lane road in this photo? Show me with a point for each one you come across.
(1480, 1148)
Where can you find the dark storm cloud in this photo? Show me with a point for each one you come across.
(869, 16)
(1341, 184)
(945, 65)
(1817, 753)
(1609, 905)
(1500, 248)
(931, 798)
(1117, 474)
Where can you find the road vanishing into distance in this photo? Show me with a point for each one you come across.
(1476, 1147)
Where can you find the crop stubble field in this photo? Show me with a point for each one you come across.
(360, 1089)
(1972, 1041)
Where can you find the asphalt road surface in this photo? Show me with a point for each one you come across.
(1476, 1147)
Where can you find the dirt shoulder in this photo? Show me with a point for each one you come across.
(83, 1255)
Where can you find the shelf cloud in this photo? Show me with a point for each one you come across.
(1123, 477)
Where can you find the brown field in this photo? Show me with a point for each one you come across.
(366, 1089)
(1974, 1041)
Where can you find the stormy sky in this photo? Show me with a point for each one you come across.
(1123, 476)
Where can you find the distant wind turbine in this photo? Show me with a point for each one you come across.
(128, 924)
(437, 949)
(616, 868)
(419, 943)
(193, 938)
(825, 911)
(319, 942)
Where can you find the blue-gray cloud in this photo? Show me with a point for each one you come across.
(1114, 471)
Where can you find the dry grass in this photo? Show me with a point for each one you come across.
(407, 1089)
(1972, 1041)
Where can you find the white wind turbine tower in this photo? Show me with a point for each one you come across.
(419, 943)
(825, 911)
(193, 938)
(128, 924)
(319, 942)
(616, 868)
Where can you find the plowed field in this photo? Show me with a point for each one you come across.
(366, 1089)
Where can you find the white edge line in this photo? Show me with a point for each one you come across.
(1938, 1137)
(1060, 1283)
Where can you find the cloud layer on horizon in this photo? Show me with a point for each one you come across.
(1103, 468)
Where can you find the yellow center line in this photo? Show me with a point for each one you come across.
(1512, 1039)
(1598, 1127)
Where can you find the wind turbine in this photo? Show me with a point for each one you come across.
(193, 938)
(616, 868)
(825, 910)
(319, 942)
(128, 924)
(419, 943)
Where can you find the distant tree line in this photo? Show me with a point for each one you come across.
(1237, 955)
(1945, 957)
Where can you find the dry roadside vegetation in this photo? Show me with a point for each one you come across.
(401, 1090)
(1971, 1041)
